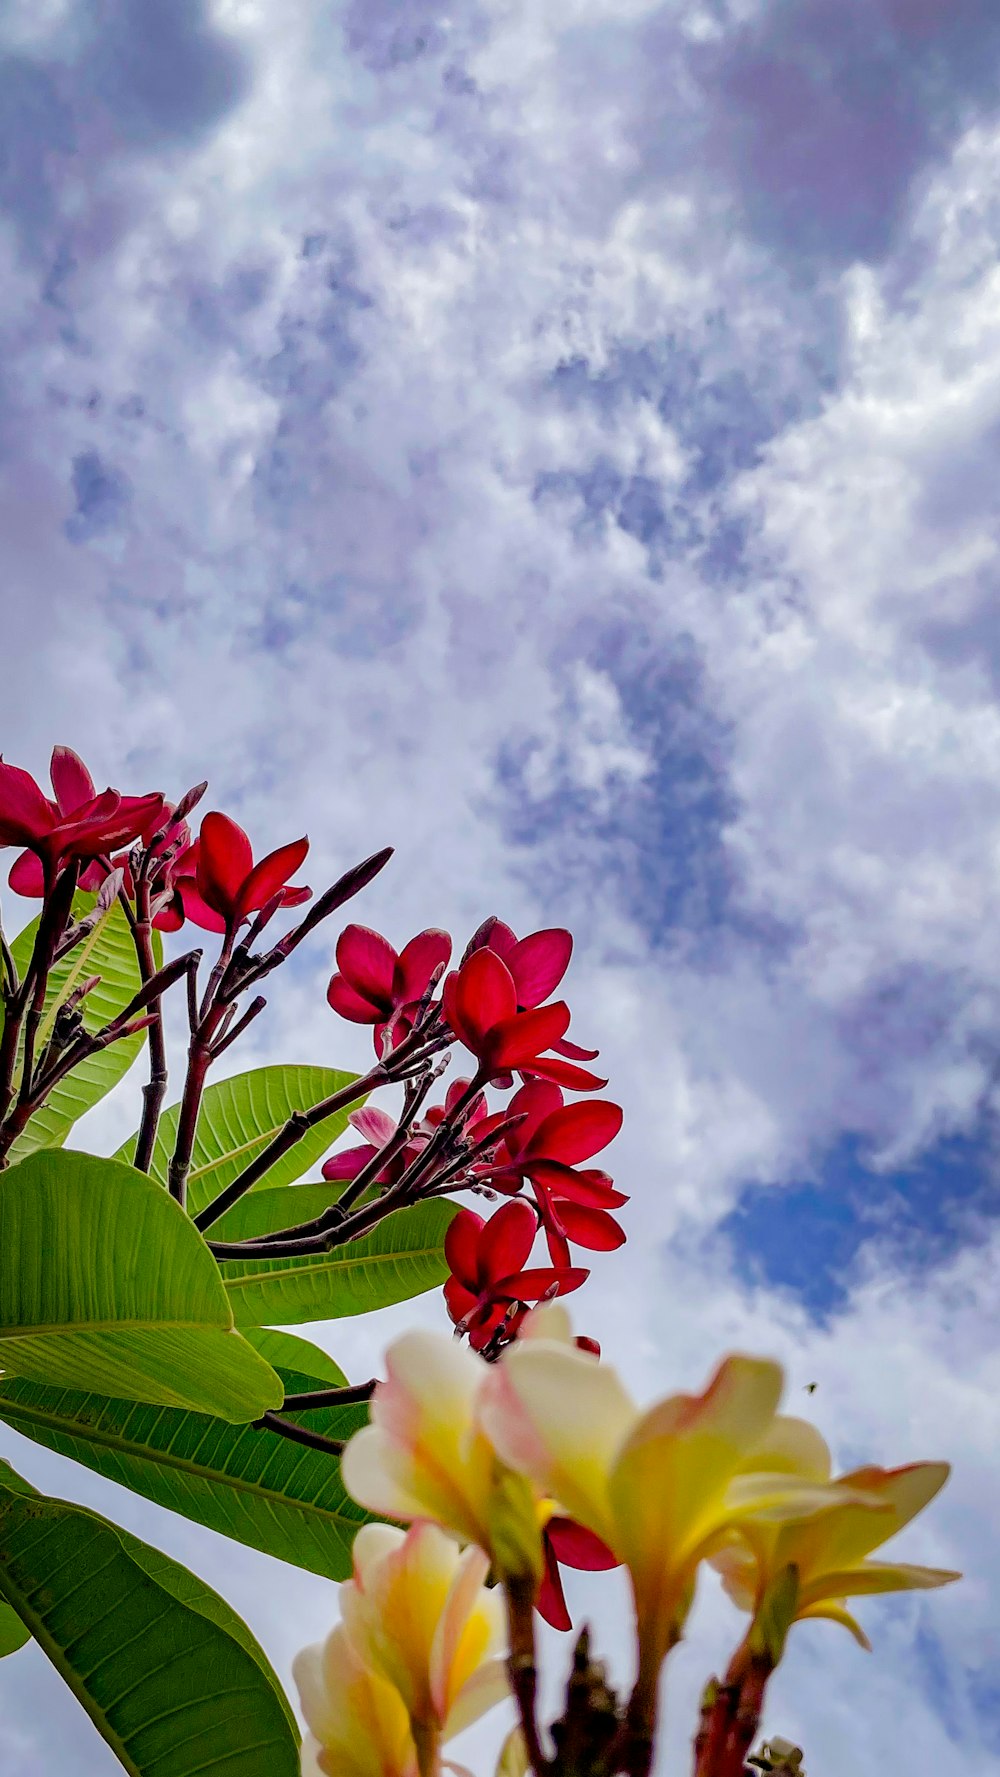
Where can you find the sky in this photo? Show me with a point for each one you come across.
(560, 438)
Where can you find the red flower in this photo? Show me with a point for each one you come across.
(76, 824)
(219, 883)
(487, 1262)
(537, 964)
(377, 1128)
(376, 984)
(567, 1542)
(480, 1004)
(544, 1149)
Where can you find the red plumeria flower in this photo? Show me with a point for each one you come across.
(76, 824)
(544, 1149)
(378, 1129)
(219, 883)
(487, 1261)
(480, 1004)
(566, 1542)
(379, 985)
(537, 964)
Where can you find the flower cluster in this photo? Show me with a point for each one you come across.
(419, 1654)
(544, 1456)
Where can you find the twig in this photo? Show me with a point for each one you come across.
(332, 1397)
(299, 1434)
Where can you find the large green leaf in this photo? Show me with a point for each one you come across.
(13, 1633)
(401, 1257)
(238, 1118)
(107, 951)
(252, 1485)
(106, 1284)
(155, 1658)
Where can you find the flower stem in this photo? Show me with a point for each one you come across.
(522, 1667)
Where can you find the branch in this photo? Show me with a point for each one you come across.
(299, 1434)
(332, 1397)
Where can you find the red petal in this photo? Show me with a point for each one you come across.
(368, 961)
(514, 1042)
(575, 1079)
(171, 917)
(590, 1187)
(197, 910)
(348, 1163)
(578, 1547)
(376, 1126)
(294, 897)
(71, 781)
(461, 1247)
(592, 1228)
(506, 1241)
(459, 1301)
(271, 874)
(225, 860)
(573, 1051)
(577, 1131)
(25, 814)
(556, 1240)
(485, 991)
(342, 997)
(538, 964)
(534, 1101)
(416, 964)
(530, 1286)
(27, 876)
(551, 1601)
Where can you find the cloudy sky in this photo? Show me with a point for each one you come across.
(560, 438)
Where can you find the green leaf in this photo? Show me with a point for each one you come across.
(107, 951)
(254, 1486)
(401, 1257)
(238, 1118)
(13, 1633)
(106, 1284)
(155, 1658)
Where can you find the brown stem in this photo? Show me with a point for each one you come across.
(332, 1397)
(427, 1741)
(522, 1668)
(154, 1091)
(299, 1434)
(731, 1717)
(298, 1125)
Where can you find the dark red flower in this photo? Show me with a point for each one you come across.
(480, 1004)
(566, 1542)
(537, 964)
(77, 823)
(379, 985)
(487, 1261)
(475, 1111)
(544, 1149)
(219, 883)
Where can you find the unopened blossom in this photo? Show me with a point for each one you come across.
(829, 1549)
(378, 985)
(488, 1263)
(75, 822)
(659, 1486)
(418, 1611)
(358, 1724)
(219, 883)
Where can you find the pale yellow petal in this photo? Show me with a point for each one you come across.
(836, 1613)
(319, 1711)
(559, 1418)
(550, 1320)
(876, 1576)
(487, 1687)
(469, 1630)
(903, 1492)
(791, 1446)
(372, 1544)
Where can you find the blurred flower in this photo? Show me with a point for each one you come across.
(358, 1722)
(377, 985)
(659, 1487)
(828, 1548)
(418, 1612)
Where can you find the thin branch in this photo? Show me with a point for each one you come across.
(299, 1434)
(332, 1397)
